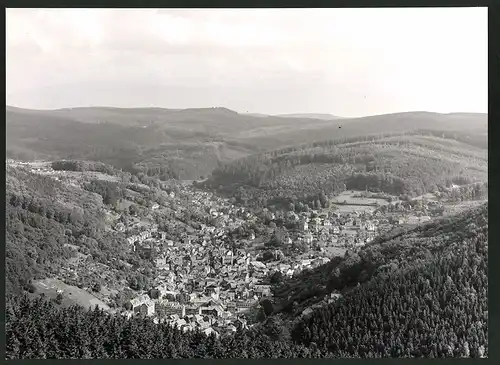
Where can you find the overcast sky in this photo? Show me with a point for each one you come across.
(347, 62)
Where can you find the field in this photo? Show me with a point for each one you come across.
(71, 294)
(349, 196)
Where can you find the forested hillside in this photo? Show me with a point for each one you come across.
(467, 124)
(48, 222)
(191, 143)
(436, 309)
(43, 216)
(432, 304)
(408, 164)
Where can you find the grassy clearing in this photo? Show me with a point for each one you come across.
(71, 294)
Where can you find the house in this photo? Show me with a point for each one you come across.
(192, 297)
(425, 218)
(147, 308)
(262, 290)
(211, 308)
(307, 312)
(320, 261)
(303, 226)
(145, 235)
(155, 206)
(359, 242)
(306, 263)
(128, 314)
(258, 265)
(241, 323)
(413, 220)
(210, 331)
(213, 291)
(180, 322)
(191, 309)
(370, 226)
(170, 295)
(333, 298)
(231, 306)
(228, 258)
(132, 239)
(137, 302)
(161, 262)
(242, 306)
(164, 308)
(283, 267)
(308, 238)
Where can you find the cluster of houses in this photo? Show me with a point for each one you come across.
(321, 230)
(203, 311)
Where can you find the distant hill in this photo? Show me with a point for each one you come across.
(311, 115)
(312, 130)
(192, 142)
(410, 163)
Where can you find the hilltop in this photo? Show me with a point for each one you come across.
(311, 115)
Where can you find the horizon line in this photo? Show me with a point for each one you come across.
(238, 112)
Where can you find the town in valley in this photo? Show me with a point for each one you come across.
(211, 262)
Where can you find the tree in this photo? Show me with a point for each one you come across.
(154, 293)
(276, 278)
(277, 239)
(323, 199)
(267, 306)
(261, 315)
(97, 287)
(31, 288)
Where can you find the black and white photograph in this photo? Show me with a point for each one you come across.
(246, 183)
